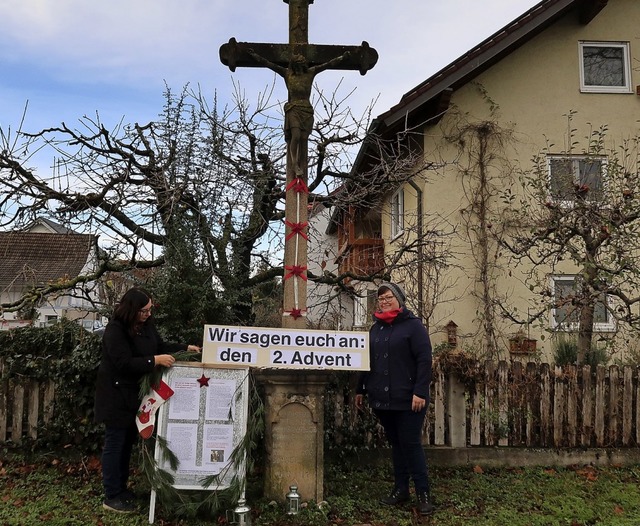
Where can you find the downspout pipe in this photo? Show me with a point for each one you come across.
(420, 234)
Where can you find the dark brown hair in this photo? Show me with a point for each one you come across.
(129, 306)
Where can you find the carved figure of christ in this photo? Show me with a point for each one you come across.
(297, 63)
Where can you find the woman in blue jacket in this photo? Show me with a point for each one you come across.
(397, 389)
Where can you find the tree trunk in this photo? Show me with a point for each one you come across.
(585, 331)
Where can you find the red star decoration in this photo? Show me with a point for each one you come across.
(295, 313)
(203, 381)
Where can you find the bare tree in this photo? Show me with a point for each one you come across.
(216, 173)
(582, 221)
(419, 254)
(483, 170)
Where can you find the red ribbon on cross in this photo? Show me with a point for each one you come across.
(296, 270)
(298, 185)
(296, 228)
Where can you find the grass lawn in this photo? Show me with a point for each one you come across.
(50, 490)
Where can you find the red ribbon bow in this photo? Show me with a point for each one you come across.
(296, 270)
(298, 185)
(296, 228)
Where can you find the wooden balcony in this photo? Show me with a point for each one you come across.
(361, 256)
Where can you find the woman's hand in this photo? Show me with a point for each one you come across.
(194, 348)
(417, 404)
(166, 360)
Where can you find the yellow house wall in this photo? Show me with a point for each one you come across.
(404, 276)
(534, 89)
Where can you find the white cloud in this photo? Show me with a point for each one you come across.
(87, 45)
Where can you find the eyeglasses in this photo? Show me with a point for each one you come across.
(145, 311)
(386, 299)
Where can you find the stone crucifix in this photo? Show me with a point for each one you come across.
(297, 62)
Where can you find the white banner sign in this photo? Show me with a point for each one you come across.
(285, 348)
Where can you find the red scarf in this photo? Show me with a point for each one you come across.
(388, 316)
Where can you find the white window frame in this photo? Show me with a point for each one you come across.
(627, 87)
(575, 159)
(362, 308)
(397, 213)
(359, 311)
(604, 326)
(49, 319)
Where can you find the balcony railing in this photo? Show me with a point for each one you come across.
(361, 256)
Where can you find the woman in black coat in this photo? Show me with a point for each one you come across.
(397, 388)
(131, 348)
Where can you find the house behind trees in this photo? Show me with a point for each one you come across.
(43, 254)
(534, 118)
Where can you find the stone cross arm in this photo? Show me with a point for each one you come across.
(244, 54)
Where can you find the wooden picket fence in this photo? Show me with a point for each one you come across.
(515, 404)
(491, 404)
(537, 405)
(24, 404)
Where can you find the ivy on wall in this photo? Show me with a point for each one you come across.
(68, 355)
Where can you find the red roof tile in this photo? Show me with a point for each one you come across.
(28, 258)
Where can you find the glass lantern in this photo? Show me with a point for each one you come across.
(241, 514)
(293, 501)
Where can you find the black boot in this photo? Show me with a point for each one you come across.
(397, 496)
(424, 506)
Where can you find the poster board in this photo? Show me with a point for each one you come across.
(203, 422)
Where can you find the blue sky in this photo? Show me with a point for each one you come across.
(69, 58)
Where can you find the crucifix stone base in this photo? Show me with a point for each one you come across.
(294, 433)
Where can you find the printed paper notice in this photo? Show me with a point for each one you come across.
(185, 402)
(220, 404)
(182, 440)
(217, 446)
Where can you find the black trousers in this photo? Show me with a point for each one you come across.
(403, 430)
(116, 458)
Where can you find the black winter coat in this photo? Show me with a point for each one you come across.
(125, 360)
(400, 360)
